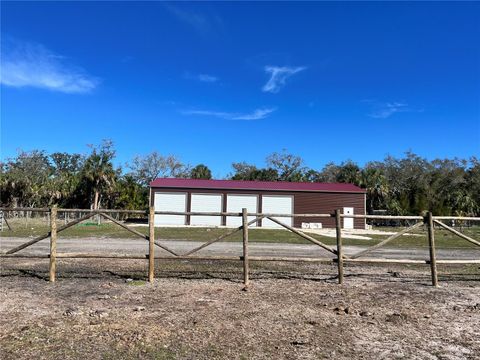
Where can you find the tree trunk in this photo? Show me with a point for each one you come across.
(95, 201)
(95, 205)
(99, 218)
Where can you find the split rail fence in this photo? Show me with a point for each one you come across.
(429, 221)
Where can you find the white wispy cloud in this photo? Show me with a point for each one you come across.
(257, 114)
(202, 23)
(201, 77)
(207, 78)
(26, 64)
(278, 77)
(385, 110)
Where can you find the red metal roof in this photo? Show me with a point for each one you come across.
(254, 185)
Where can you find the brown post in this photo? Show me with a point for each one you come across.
(53, 242)
(338, 225)
(245, 246)
(431, 244)
(151, 244)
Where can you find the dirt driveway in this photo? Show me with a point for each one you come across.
(139, 247)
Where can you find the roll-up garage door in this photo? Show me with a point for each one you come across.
(235, 203)
(272, 204)
(206, 203)
(170, 202)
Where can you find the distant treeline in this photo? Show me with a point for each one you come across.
(399, 186)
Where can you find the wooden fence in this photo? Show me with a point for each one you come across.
(339, 257)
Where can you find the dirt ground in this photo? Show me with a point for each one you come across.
(103, 309)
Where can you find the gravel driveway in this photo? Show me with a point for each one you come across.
(138, 247)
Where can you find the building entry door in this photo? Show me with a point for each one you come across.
(348, 222)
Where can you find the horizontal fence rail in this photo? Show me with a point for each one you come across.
(120, 211)
(239, 214)
(336, 252)
(190, 213)
(384, 217)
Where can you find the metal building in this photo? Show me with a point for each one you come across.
(188, 195)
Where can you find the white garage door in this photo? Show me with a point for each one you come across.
(235, 203)
(277, 205)
(206, 203)
(170, 202)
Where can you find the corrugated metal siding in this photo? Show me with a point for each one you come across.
(304, 202)
(326, 203)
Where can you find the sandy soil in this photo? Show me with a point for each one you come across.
(197, 310)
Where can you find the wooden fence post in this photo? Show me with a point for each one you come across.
(151, 244)
(431, 244)
(53, 242)
(338, 226)
(245, 247)
(6, 221)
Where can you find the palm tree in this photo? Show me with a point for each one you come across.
(349, 172)
(98, 170)
(200, 172)
(377, 188)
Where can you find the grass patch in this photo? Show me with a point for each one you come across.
(35, 227)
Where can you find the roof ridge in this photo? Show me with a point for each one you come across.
(255, 185)
(255, 181)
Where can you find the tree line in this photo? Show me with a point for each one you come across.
(406, 185)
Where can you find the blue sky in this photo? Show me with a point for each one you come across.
(217, 83)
